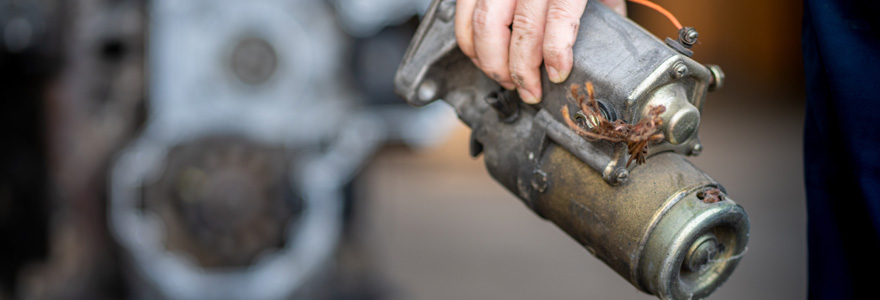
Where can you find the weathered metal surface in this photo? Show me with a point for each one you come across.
(646, 222)
(646, 229)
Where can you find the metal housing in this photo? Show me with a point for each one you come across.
(650, 223)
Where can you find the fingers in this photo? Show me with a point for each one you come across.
(526, 48)
(464, 29)
(618, 6)
(541, 29)
(563, 20)
(492, 38)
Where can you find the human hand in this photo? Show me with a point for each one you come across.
(541, 30)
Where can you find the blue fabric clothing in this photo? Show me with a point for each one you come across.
(842, 146)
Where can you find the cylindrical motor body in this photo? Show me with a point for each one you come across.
(649, 230)
(669, 229)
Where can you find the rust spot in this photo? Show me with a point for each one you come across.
(712, 195)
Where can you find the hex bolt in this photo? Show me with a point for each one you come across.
(620, 176)
(703, 251)
(428, 90)
(539, 181)
(680, 70)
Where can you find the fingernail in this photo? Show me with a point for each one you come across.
(554, 75)
(507, 85)
(528, 97)
(560, 76)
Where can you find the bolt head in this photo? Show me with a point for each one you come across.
(692, 35)
(680, 70)
(539, 181)
(428, 90)
(705, 249)
(620, 176)
(688, 36)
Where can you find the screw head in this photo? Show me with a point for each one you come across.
(680, 70)
(692, 35)
(704, 250)
(539, 181)
(620, 175)
(688, 36)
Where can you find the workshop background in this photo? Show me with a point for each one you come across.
(210, 149)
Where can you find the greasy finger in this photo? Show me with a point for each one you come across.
(464, 29)
(492, 38)
(563, 20)
(526, 43)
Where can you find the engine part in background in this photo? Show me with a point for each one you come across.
(373, 65)
(366, 18)
(170, 243)
(270, 79)
(91, 104)
(236, 187)
(224, 200)
(652, 223)
(245, 78)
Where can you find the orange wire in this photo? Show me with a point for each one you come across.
(661, 10)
